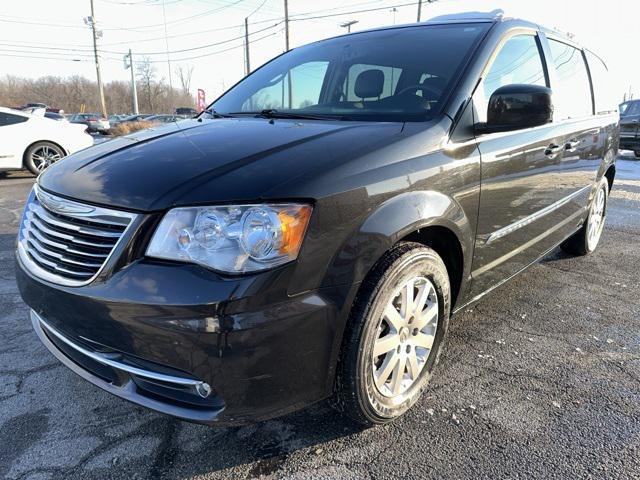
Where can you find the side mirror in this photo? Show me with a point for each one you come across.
(516, 106)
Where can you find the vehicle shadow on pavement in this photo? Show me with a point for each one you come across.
(263, 447)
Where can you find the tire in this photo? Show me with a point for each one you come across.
(362, 390)
(40, 155)
(636, 153)
(586, 240)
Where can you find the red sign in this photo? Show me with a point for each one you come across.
(202, 103)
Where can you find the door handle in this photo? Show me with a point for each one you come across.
(571, 145)
(552, 149)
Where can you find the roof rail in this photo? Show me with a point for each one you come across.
(456, 17)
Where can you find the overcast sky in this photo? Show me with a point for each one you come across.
(53, 35)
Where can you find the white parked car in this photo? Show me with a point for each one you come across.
(35, 142)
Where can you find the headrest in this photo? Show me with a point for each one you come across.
(369, 84)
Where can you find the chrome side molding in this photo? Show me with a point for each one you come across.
(504, 231)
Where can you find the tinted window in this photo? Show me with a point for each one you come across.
(630, 109)
(518, 61)
(299, 88)
(10, 119)
(386, 75)
(390, 76)
(572, 94)
(603, 93)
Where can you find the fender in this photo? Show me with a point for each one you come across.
(392, 221)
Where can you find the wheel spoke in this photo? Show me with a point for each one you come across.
(406, 305)
(398, 375)
(393, 317)
(427, 316)
(385, 344)
(423, 340)
(382, 374)
(414, 368)
(423, 294)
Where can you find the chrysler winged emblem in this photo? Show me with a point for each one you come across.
(60, 205)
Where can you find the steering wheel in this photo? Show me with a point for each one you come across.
(420, 86)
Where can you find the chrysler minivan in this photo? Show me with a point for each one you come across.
(310, 235)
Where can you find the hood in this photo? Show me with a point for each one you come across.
(221, 160)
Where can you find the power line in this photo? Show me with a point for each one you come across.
(298, 17)
(44, 58)
(218, 51)
(257, 8)
(354, 11)
(203, 46)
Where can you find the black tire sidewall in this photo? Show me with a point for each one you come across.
(417, 262)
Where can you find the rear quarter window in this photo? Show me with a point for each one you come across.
(572, 88)
(11, 119)
(605, 101)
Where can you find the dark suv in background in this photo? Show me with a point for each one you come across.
(629, 123)
(310, 234)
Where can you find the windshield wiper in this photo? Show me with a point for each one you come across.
(274, 113)
(214, 114)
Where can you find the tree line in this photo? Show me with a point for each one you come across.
(71, 93)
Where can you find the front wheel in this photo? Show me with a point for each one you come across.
(394, 336)
(40, 155)
(586, 240)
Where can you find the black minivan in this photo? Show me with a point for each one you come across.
(310, 234)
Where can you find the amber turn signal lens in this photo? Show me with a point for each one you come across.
(293, 224)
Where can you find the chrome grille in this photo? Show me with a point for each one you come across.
(68, 242)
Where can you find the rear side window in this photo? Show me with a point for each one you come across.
(605, 101)
(572, 94)
(518, 61)
(10, 119)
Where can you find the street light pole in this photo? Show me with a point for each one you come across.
(92, 23)
(419, 9)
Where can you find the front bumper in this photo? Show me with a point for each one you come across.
(262, 353)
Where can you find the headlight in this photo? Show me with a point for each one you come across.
(233, 239)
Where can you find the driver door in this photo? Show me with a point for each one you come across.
(520, 171)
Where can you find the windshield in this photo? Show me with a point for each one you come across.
(630, 109)
(401, 74)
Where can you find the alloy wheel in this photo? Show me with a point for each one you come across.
(406, 334)
(44, 156)
(596, 219)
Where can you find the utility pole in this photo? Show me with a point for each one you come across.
(166, 44)
(286, 24)
(420, 8)
(91, 21)
(134, 90)
(286, 43)
(247, 66)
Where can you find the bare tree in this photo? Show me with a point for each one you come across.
(184, 75)
(74, 93)
(146, 72)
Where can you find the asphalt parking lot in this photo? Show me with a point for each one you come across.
(540, 380)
